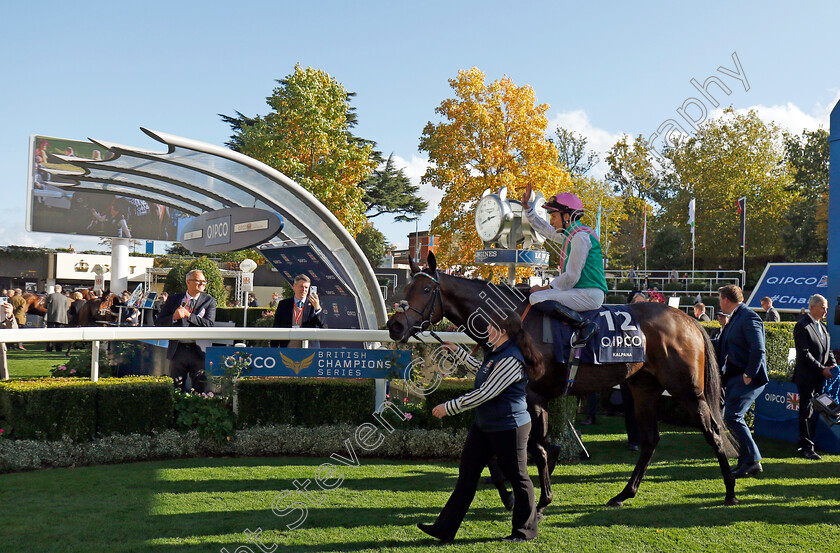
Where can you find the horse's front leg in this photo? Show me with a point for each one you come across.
(645, 396)
(538, 448)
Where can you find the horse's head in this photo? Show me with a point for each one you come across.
(423, 303)
(105, 305)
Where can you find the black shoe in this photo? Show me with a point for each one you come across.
(584, 329)
(514, 539)
(428, 528)
(584, 333)
(748, 470)
(811, 454)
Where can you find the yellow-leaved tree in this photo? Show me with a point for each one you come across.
(493, 135)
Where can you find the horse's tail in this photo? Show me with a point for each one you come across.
(713, 392)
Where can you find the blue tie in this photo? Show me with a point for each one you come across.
(299, 304)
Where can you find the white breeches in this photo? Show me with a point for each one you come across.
(579, 299)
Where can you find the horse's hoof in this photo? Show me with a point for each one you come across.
(508, 501)
(615, 502)
(540, 516)
(732, 501)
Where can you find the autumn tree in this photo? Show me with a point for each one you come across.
(492, 136)
(729, 157)
(307, 137)
(806, 237)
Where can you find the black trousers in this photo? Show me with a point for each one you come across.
(509, 446)
(188, 360)
(54, 345)
(808, 416)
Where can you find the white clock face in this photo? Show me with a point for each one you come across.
(489, 218)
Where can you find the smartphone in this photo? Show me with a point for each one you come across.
(313, 290)
(3, 300)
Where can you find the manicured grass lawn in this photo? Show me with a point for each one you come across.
(35, 361)
(204, 505)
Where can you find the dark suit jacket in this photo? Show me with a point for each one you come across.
(772, 316)
(283, 319)
(813, 353)
(741, 346)
(208, 318)
(73, 312)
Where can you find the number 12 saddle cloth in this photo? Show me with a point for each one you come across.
(618, 340)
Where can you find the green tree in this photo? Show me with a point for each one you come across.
(372, 243)
(177, 249)
(388, 190)
(572, 153)
(729, 157)
(806, 236)
(632, 170)
(176, 283)
(307, 137)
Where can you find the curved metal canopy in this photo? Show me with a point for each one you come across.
(196, 177)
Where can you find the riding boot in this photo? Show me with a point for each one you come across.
(584, 329)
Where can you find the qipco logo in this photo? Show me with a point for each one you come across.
(218, 229)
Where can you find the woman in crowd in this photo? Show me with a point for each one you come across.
(73, 315)
(501, 428)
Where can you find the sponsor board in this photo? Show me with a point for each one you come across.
(310, 362)
(790, 285)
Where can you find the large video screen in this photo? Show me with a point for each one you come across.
(65, 210)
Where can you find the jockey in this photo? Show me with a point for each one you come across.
(582, 285)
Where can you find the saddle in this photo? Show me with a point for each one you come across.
(617, 340)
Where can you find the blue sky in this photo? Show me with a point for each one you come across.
(78, 70)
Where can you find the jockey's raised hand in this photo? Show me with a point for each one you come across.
(526, 197)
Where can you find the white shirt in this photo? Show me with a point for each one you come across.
(581, 244)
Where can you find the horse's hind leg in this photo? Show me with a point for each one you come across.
(646, 391)
(714, 436)
(537, 447)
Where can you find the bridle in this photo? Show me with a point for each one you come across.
(425, 319)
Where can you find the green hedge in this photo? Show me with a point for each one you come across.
(778, 340)
(234, 314)
(150, 400)
(48, 409)
(304, 401)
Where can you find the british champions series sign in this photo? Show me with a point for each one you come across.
(320, 363)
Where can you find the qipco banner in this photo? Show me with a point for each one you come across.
(790, 285)
(321, 363)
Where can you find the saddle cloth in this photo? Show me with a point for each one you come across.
(618, 340)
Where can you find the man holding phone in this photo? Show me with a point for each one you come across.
(303, 310)
(7, 320)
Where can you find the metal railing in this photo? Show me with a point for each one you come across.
(95, 335)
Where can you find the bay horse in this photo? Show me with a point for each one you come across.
(97, 311)
(679, 357)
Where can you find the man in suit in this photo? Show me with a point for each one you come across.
(303, 310)
(195, 309)
(770, 315)
(743, 360)
(700, 312)
(56, 305)
(7, 320)
(814, 361)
